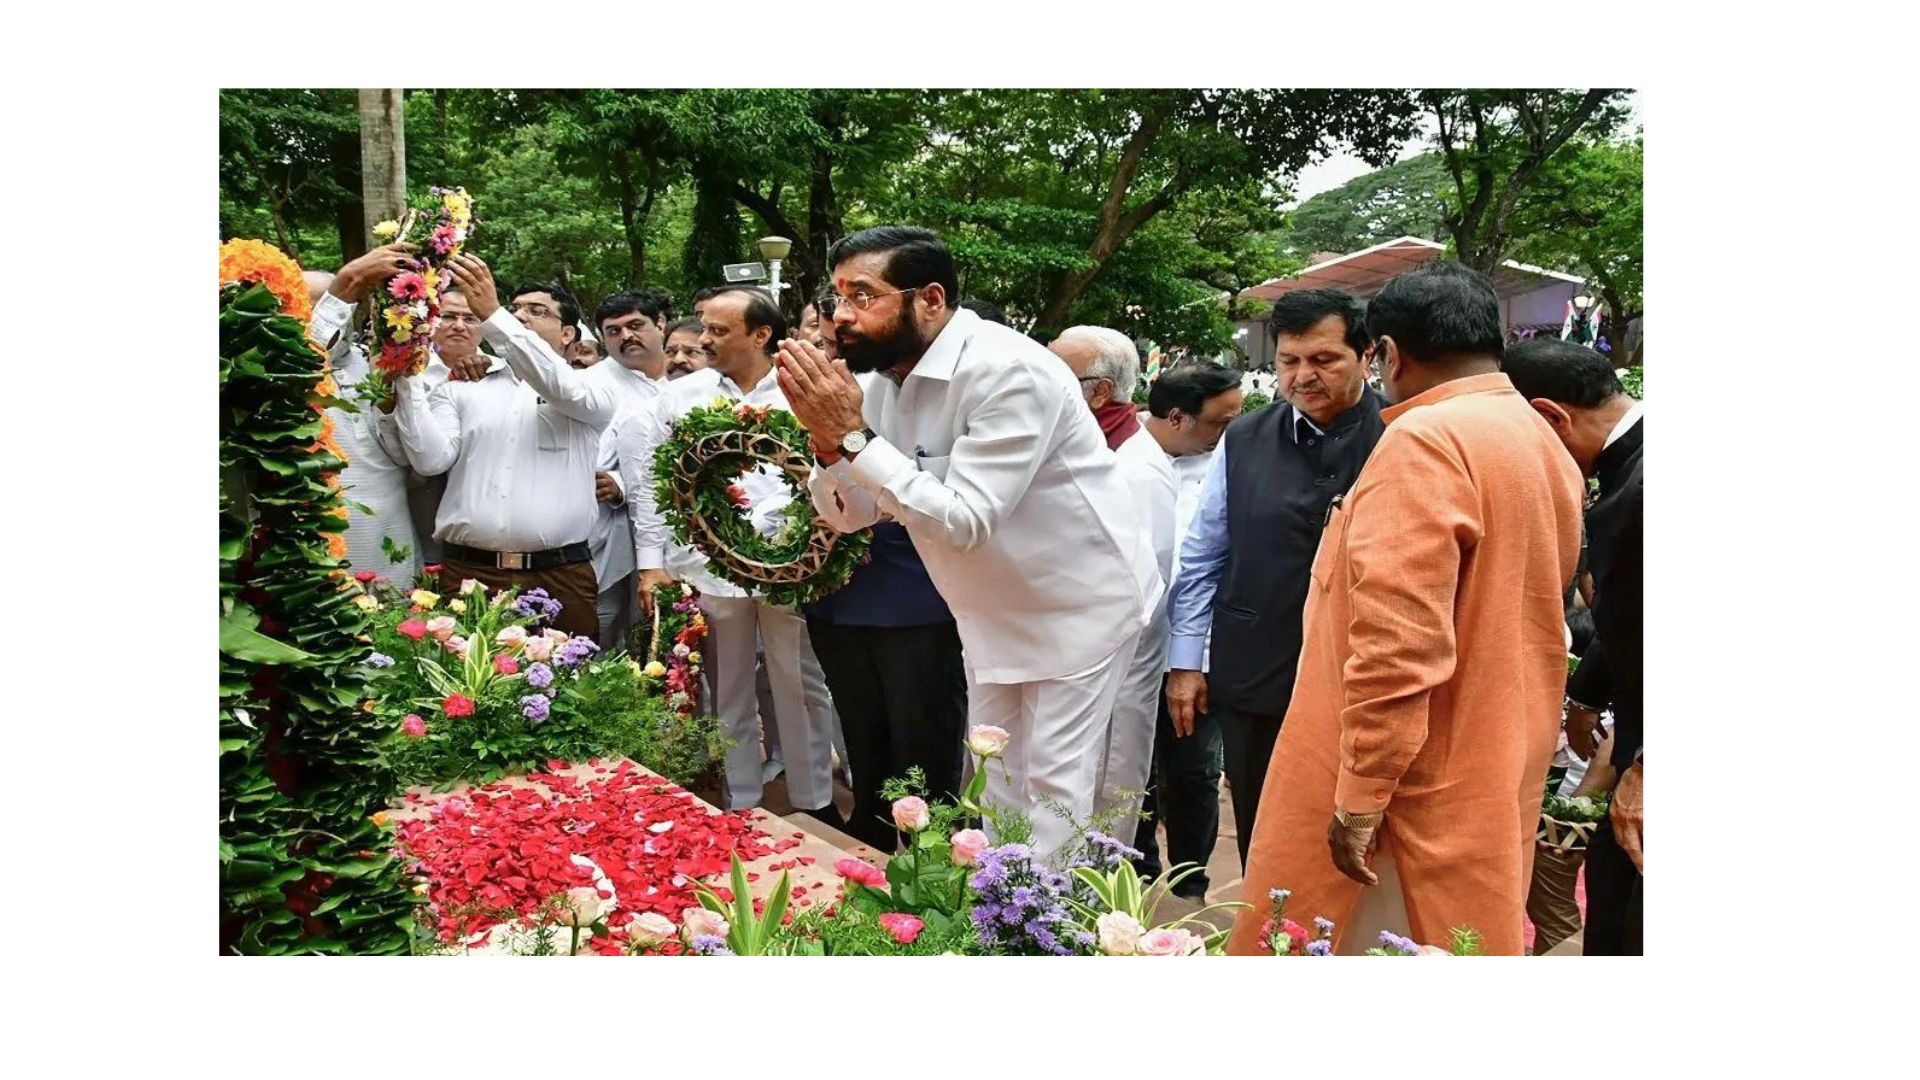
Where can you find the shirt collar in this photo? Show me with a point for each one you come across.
(943, 355)
(1452, 388)
(1625, 425)
(771, 378)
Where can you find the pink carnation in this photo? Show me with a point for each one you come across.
(506, 665)
(903, 927)
(861, 873)
(413, 726)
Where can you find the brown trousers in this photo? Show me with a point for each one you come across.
(573, 585)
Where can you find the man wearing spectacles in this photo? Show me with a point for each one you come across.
(636, 369)
(977, 440)
(519, 447)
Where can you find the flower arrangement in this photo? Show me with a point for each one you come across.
(243, 261)
(475, 685)
(695, 470)
(1281, 936)
(1568, 823)
(407, 306)
(679, 629)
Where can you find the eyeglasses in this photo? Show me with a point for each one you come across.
(538, 311)
(861, 301)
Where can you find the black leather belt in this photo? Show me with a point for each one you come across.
(519, 560)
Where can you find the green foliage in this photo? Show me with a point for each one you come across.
(1586, 214)
(1576, 808)
(1633, 382)
(1408, 198)
(303, 868)
(1254, 401)
(290, 170)
(749, 934)
(850, 931)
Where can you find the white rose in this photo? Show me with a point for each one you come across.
(650, 928)
(698, 920)
(1119, 933)
(987, 741)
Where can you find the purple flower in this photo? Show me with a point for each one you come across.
(575, 652)
(535, 707)
(1103, 852)
(1279, 896)
(1405, 946)
(711, 945)
(539, 676)
(379, 660)
(1323, 924)
(1321, 947)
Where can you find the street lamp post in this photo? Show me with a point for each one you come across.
(774, 249)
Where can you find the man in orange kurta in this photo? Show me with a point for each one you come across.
(1427, 705)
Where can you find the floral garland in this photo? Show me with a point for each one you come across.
(408, 311)
(696, 470)
(303, 863)
(675, 667)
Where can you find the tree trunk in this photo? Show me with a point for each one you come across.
(383, 155)
(631, 224)
(349, 217)
(824, 226)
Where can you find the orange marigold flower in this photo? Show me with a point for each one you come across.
(337, 545)
(256, 260)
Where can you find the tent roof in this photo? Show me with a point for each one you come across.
(1364, 272)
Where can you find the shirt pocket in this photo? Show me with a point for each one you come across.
(935, 465)
(552, 430)
(1333, 544)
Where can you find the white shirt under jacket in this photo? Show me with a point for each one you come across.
(987, 454)
(519, 445)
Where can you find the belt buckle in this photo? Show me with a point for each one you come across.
(510, 560)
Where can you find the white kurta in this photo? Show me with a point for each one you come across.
(372, 479)
(987, 454)
(1128, 761)
(805, 720)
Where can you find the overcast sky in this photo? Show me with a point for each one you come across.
(1340, 168)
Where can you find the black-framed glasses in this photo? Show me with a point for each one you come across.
(861, 301)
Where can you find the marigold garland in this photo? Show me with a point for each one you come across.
(257, 260)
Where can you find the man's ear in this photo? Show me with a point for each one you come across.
(570, 336)
(1554, 413)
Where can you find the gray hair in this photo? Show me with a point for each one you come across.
(1115, 358)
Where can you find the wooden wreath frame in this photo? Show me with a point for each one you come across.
(1565, 836)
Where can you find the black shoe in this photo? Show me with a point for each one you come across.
(828, 815)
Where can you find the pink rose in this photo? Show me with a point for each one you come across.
(513, 637)
(556, 638)
(861, 873)
(698, 921)
(910, 814)
(987, 741)
(506, 665)
(457, 645)
(903, 927)
(441, 627)
(583, 905)
(1170, 943)
(413, 628)
(413, 726)
(539, 649)
(967, 846)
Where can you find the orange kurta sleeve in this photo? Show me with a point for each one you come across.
(1416, 515)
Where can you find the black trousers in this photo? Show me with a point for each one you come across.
(1184, 794)
(1613, 898)
(901, 693)
(1248, 740)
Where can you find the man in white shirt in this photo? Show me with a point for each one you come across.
(1190, 408)
(978, 442)
(633, 325)
(1107, 365)
(741, 327)
(519, 446)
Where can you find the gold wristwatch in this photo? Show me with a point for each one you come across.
(1358, 821)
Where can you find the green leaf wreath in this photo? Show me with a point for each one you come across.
(695, 471)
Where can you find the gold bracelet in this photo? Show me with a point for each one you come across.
(1358, 821)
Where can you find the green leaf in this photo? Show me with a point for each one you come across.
(243, 643)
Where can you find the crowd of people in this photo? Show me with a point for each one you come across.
(1353, 603)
